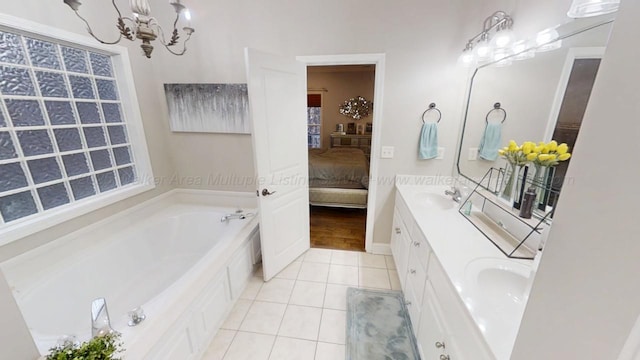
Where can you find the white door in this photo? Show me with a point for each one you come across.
(277, 100)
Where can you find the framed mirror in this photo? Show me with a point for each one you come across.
(540, 98)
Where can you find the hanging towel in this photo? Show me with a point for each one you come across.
(490, 142)
(428, 147)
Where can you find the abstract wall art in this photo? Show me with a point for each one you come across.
(212, 108)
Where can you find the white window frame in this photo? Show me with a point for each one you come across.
(321, 117)
(20, 228)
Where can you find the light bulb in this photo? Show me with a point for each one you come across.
(522, 50)
(503, 39)
(187, 15)
(501, 57)
(545, 40)
(467, 59)
(482, 51)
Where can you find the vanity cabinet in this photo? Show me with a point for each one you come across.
(400, 242)
(443, 327)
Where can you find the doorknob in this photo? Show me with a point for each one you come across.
(266, 192)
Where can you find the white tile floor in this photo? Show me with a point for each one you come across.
(301, 313)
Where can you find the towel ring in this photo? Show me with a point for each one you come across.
(433, 107)
(496, 107)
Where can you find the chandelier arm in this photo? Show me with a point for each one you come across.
(124, 30)
(184, 47)
(174, 33)
(90, 31)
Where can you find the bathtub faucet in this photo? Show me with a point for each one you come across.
(227, 217)
(100, 323)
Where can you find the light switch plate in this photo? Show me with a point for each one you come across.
(387, 152)
(440, 153)
(473, 154)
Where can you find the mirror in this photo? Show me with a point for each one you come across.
(543, 97)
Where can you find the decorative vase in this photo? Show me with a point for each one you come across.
(509, 187)
(538, 182)
(546, 182)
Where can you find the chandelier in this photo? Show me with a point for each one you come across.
(143, 26)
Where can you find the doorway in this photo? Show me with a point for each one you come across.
(340, 128)
(340, 226)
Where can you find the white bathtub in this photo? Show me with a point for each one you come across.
(169, 255)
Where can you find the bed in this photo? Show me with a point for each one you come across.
(338, 177)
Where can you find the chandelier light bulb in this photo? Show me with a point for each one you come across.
(187, 15)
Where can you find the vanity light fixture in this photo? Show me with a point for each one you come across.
(480, 48)
(143, 26)
(588, 8)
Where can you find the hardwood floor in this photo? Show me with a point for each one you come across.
(338, 228)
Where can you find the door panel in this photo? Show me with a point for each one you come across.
(277, 100)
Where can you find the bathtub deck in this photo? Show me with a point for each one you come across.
(301, 313)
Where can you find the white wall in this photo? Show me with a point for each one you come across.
(421, 43)
(341, 86)
(586, 295)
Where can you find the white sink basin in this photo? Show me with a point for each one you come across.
(498, 286)
(440, 201)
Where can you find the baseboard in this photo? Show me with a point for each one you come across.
(380, 249)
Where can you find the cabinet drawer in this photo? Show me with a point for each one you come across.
(420, 246)
(416, 275)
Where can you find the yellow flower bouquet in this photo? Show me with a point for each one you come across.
(541, 155)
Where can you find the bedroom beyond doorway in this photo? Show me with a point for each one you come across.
(339, 143)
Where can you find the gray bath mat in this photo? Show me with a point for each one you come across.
(378, 326)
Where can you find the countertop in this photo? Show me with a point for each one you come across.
(463, 251)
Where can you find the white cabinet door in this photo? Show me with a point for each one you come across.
(432, 335)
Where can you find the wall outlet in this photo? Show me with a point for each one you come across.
(473, 154)
(387, 152)
(440, 153)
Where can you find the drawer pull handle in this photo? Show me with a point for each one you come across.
(413, 271)
(408, 303)
(440, 345)
(416, 244)
(398, 231)
(444, 357)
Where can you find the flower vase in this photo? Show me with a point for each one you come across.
(546, 182)
(538, 182)
(509, 187)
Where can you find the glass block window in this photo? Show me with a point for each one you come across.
(314, 120)
(63, 133)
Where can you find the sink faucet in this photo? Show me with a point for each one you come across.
(100, 323)
(455, 194)
(227, 217)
